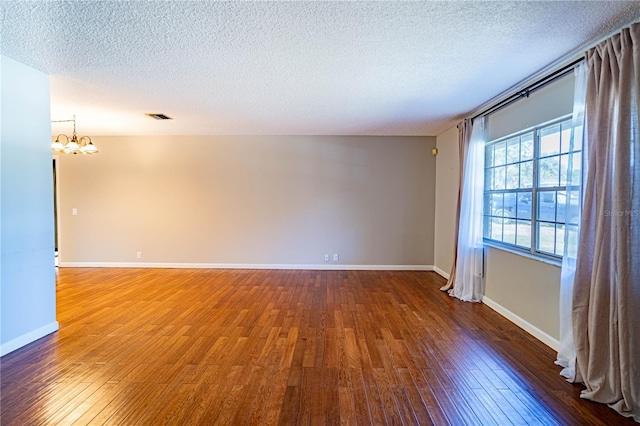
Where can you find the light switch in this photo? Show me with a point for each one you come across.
(74, 212)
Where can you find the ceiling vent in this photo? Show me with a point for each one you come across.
(160, 116)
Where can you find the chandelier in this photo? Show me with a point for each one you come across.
(73, 145)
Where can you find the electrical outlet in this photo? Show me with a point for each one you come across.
(336, 257)
(139, 255)
(74, 212)
(326, 257)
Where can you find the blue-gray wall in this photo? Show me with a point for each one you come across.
(27, 273)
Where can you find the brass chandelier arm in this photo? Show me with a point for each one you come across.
(62, 134)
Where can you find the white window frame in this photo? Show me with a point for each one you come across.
(535, 189)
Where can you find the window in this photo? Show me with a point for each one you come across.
(526, 187)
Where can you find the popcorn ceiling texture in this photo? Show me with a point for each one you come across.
(294, 68)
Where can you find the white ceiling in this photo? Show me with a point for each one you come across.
(295, 68)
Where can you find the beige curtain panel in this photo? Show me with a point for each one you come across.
(464, 139)
(606, 295)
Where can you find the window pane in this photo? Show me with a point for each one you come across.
(550, 140)
(499, 174)
(561, 203)
(577, 141)
(566, 137)
(494, 229)
(526, 147)
(526, 174)
(547, 206)
(523, 233)
(513, 151)
(559, 240)
(564, 167)
(492, 179)
(495, 203)
(502, 207)
(523, 208)
(509, 206)
(573, 206)
(568, 210)
(488, 156)
(513, 176)
(546, 237)
(509, 232)
(573, 239)
(576, 175)
(486, 229)
(499, 153)
(549, 171)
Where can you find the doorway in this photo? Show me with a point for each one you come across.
(55, 211)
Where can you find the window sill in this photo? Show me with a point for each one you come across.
(542, 259)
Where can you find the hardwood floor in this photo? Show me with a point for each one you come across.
(189, 347)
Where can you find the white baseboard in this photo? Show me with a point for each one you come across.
(27, 338)
(523, 324)
(330, 267)
(441, 272)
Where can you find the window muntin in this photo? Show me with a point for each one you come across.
(526, 186)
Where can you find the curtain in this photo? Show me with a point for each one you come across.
(466, 277)
(606, 295)
(566, 351)
(464, 137)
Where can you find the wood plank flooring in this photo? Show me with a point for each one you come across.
(239, 347)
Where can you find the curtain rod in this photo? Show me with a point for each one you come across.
(561, 72)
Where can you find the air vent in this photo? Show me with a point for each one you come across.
(160, 116)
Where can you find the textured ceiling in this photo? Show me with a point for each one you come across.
(303, 68)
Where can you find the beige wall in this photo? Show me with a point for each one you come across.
(527, 287)
(260, 200)
(549, 103)
(447, 170)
